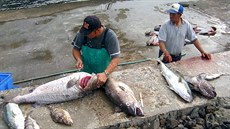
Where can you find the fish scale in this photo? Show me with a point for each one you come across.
(57, 91)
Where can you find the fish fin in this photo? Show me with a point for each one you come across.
(31, 90)
(202, 76)
(171, 88)
(37, 105)
(122, 88)
(180, 75)
(117, 109)
(72, 83)
(191, 86)
(28, 112)
(180, 79)
(8, 98)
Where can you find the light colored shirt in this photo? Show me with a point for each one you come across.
(174, 36)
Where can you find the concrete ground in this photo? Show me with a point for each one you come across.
(97, 111)
(36, 42)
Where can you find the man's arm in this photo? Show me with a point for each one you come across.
(112, 65)
(167, 55)
(102, 77)
(77, 56)
(203, 53)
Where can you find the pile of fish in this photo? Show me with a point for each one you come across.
(14, 118)
(66, 89)
(182, 84)
(122, 95)
(60, 90)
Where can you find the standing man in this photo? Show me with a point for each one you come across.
(96, 49)
(173, 33)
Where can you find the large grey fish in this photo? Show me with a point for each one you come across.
(13, 116)
(30, 123)
(200, 84)
(57, 91)
(176, 83)
(60, 116)
(123, 96)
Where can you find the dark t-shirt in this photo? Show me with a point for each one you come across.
(111, 42)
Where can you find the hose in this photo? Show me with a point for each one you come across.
(75, 70)
(71, 71)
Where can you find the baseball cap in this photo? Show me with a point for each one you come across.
(90, 24)
(176, 8)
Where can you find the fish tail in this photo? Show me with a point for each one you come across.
(7, 99)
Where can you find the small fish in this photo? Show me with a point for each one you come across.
(60, 116)
(123, 96)
(212, 76)
(200, 84)
(13, 116)
(57, 90)
(30, 123)
(176, 83)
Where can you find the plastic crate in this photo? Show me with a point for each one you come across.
(6, 81)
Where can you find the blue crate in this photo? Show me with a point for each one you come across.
(6, 81)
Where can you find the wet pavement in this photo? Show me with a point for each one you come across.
(97, 111)
(37, 42)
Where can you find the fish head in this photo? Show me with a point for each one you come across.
(207, 90)
(188, 98)
(133, 109)
(185, 92)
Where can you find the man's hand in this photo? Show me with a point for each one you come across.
(205, 55)
(101, 79)
(79, 65)
(84, 81)
(167, 56)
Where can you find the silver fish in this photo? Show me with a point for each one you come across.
(60, 116)
(176, 83)
(123, 96)
(30, 123)
(212, 76)
(199, 84)
(57, 91)
(13, 116)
